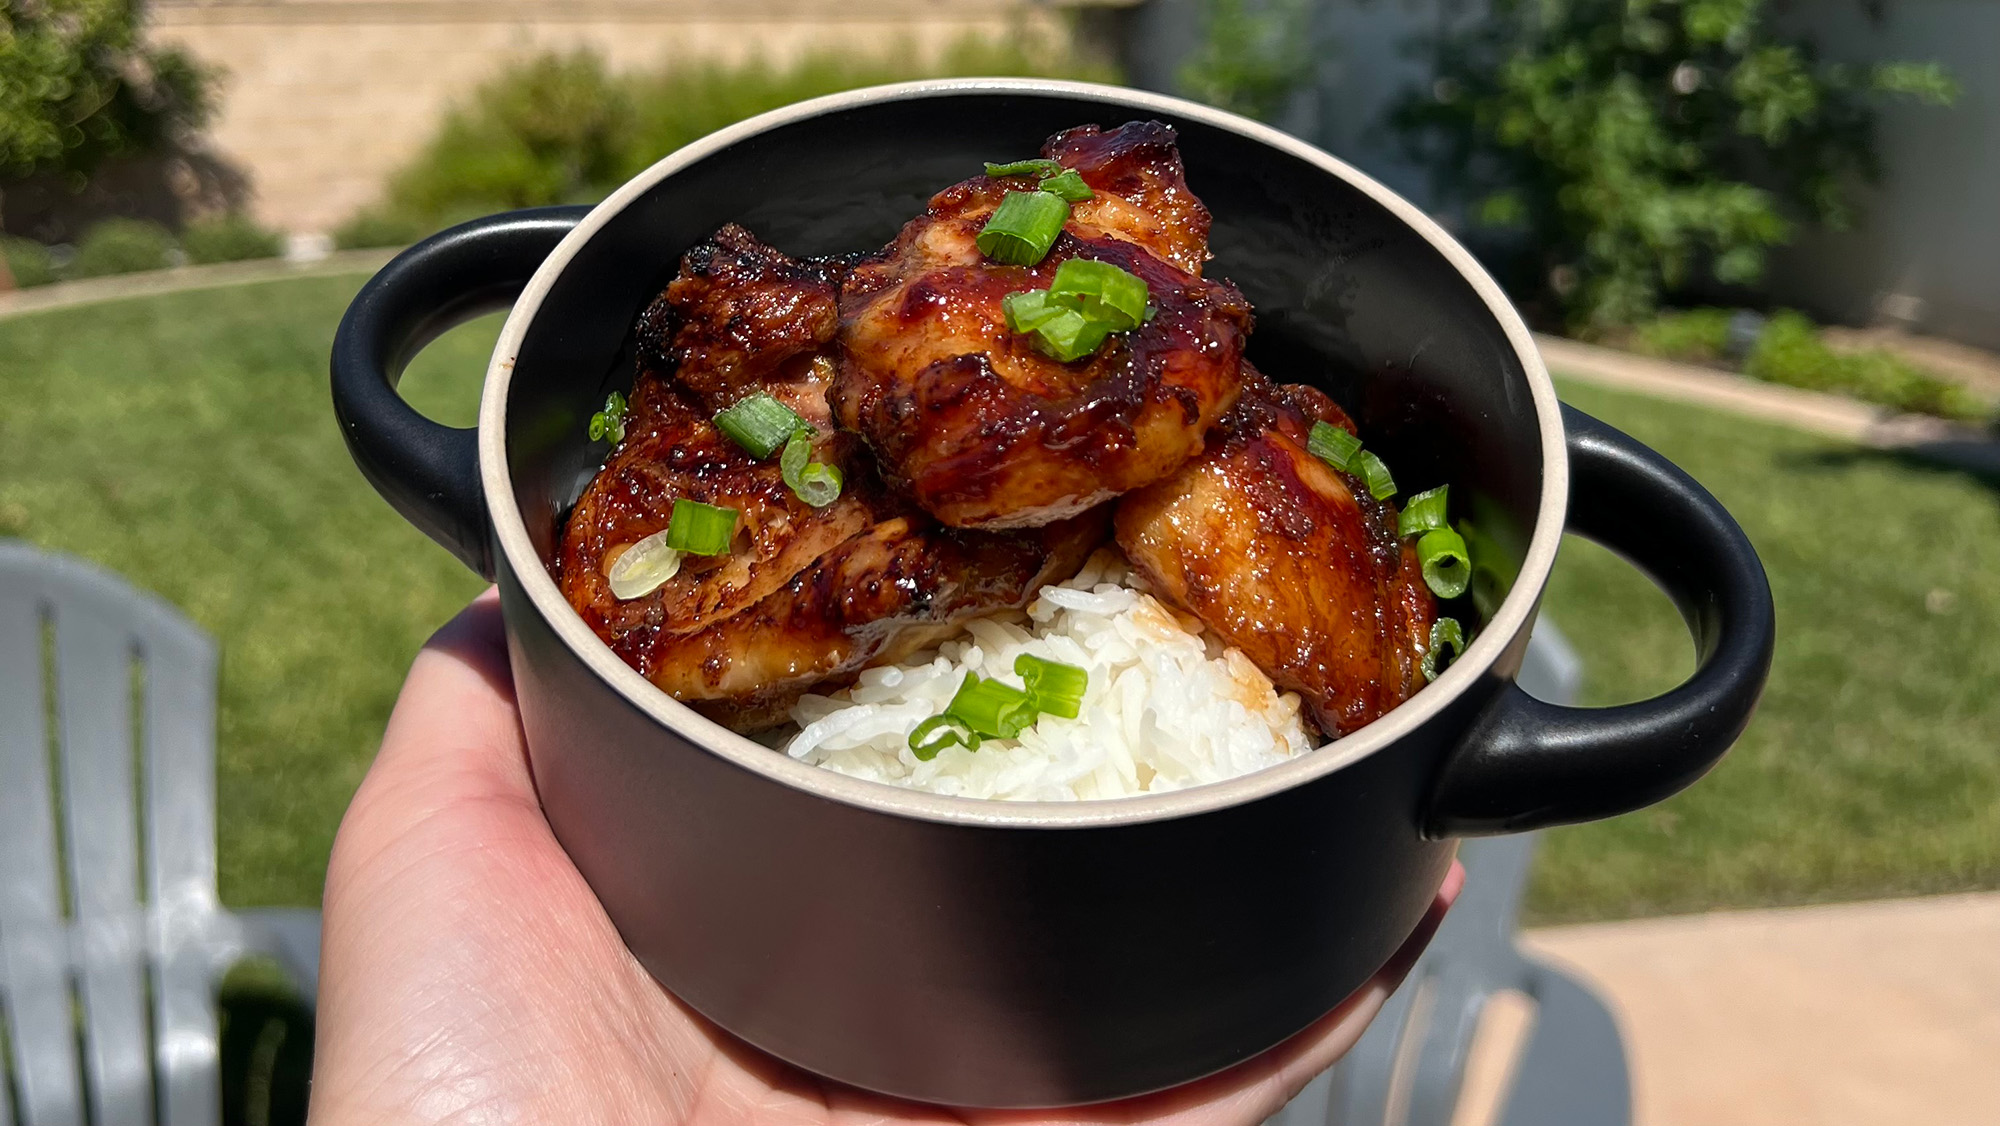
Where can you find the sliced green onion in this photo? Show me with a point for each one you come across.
(1039, 166)
(1070, 336)
(816, 483)
(1053, 687)
(820, 484)
(1424, 512)
(1069, 185)
(991, 708)
(1101, 292)
(702, 529)
(759, 423)
(609, 422)
(641, 568)
(1029, 311)
(1445, 633)
(1332, 445)
(937, 733)
(1447, 565)
(1381, 486)
(1023, 228)
(792, 463)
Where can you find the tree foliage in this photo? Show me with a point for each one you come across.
(78, 86)
(1641, 146)
(1253, 55)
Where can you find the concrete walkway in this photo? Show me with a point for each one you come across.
(151, 282)
(1864, 1014)
(1833, 415)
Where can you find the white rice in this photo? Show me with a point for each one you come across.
(1167, 706)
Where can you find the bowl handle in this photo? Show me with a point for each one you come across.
(1526, 764)
(427, 471)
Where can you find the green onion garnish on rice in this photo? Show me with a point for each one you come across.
(941, 731)
(1445, 633)
(759, 423)
(700, 529)
(999, 711)
(1053, 687)
(1023, 228)
(1447, 566)
(1332, 445)
(993, 709)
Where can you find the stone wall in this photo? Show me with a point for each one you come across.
(322, 99)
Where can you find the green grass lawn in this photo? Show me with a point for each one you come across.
(187, 442)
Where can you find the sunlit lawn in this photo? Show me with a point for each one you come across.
(187, 442)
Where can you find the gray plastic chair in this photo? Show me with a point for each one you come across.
(1409, 1067)
(112, 939)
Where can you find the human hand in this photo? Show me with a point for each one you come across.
(468, 974)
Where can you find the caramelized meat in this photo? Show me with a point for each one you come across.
(980, 428)
(742, 317)
(1288, 560)
(672, 451)
(902, 585)
(1140, 190)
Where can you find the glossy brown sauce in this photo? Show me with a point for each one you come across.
(979, 469)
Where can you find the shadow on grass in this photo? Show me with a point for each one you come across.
(1976, 461)
(266, 1048)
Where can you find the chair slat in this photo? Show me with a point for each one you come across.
(179, 784)
(186, 1040)
(1574, 1070)
(179, 737)
(94, 697)
(28, 884)
(34, 982)
(94, 710)
(118, 1066)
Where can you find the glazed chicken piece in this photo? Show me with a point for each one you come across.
(740, 317)
(805, 597)
(979, 427)
(902, 585)
(743, 317)
(1288, 559)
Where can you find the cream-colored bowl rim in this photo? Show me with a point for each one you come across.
(1486, 650)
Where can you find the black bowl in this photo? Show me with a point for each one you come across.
(1031, 954)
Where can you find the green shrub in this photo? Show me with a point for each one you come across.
(1254, 54)
(563, 129)
(384, 226)
(1626, 150)
(1790, 351)
(551, 130)
(1696, 336)
(121, 246)
(29, 261)
(378, 226)
(230, 238)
